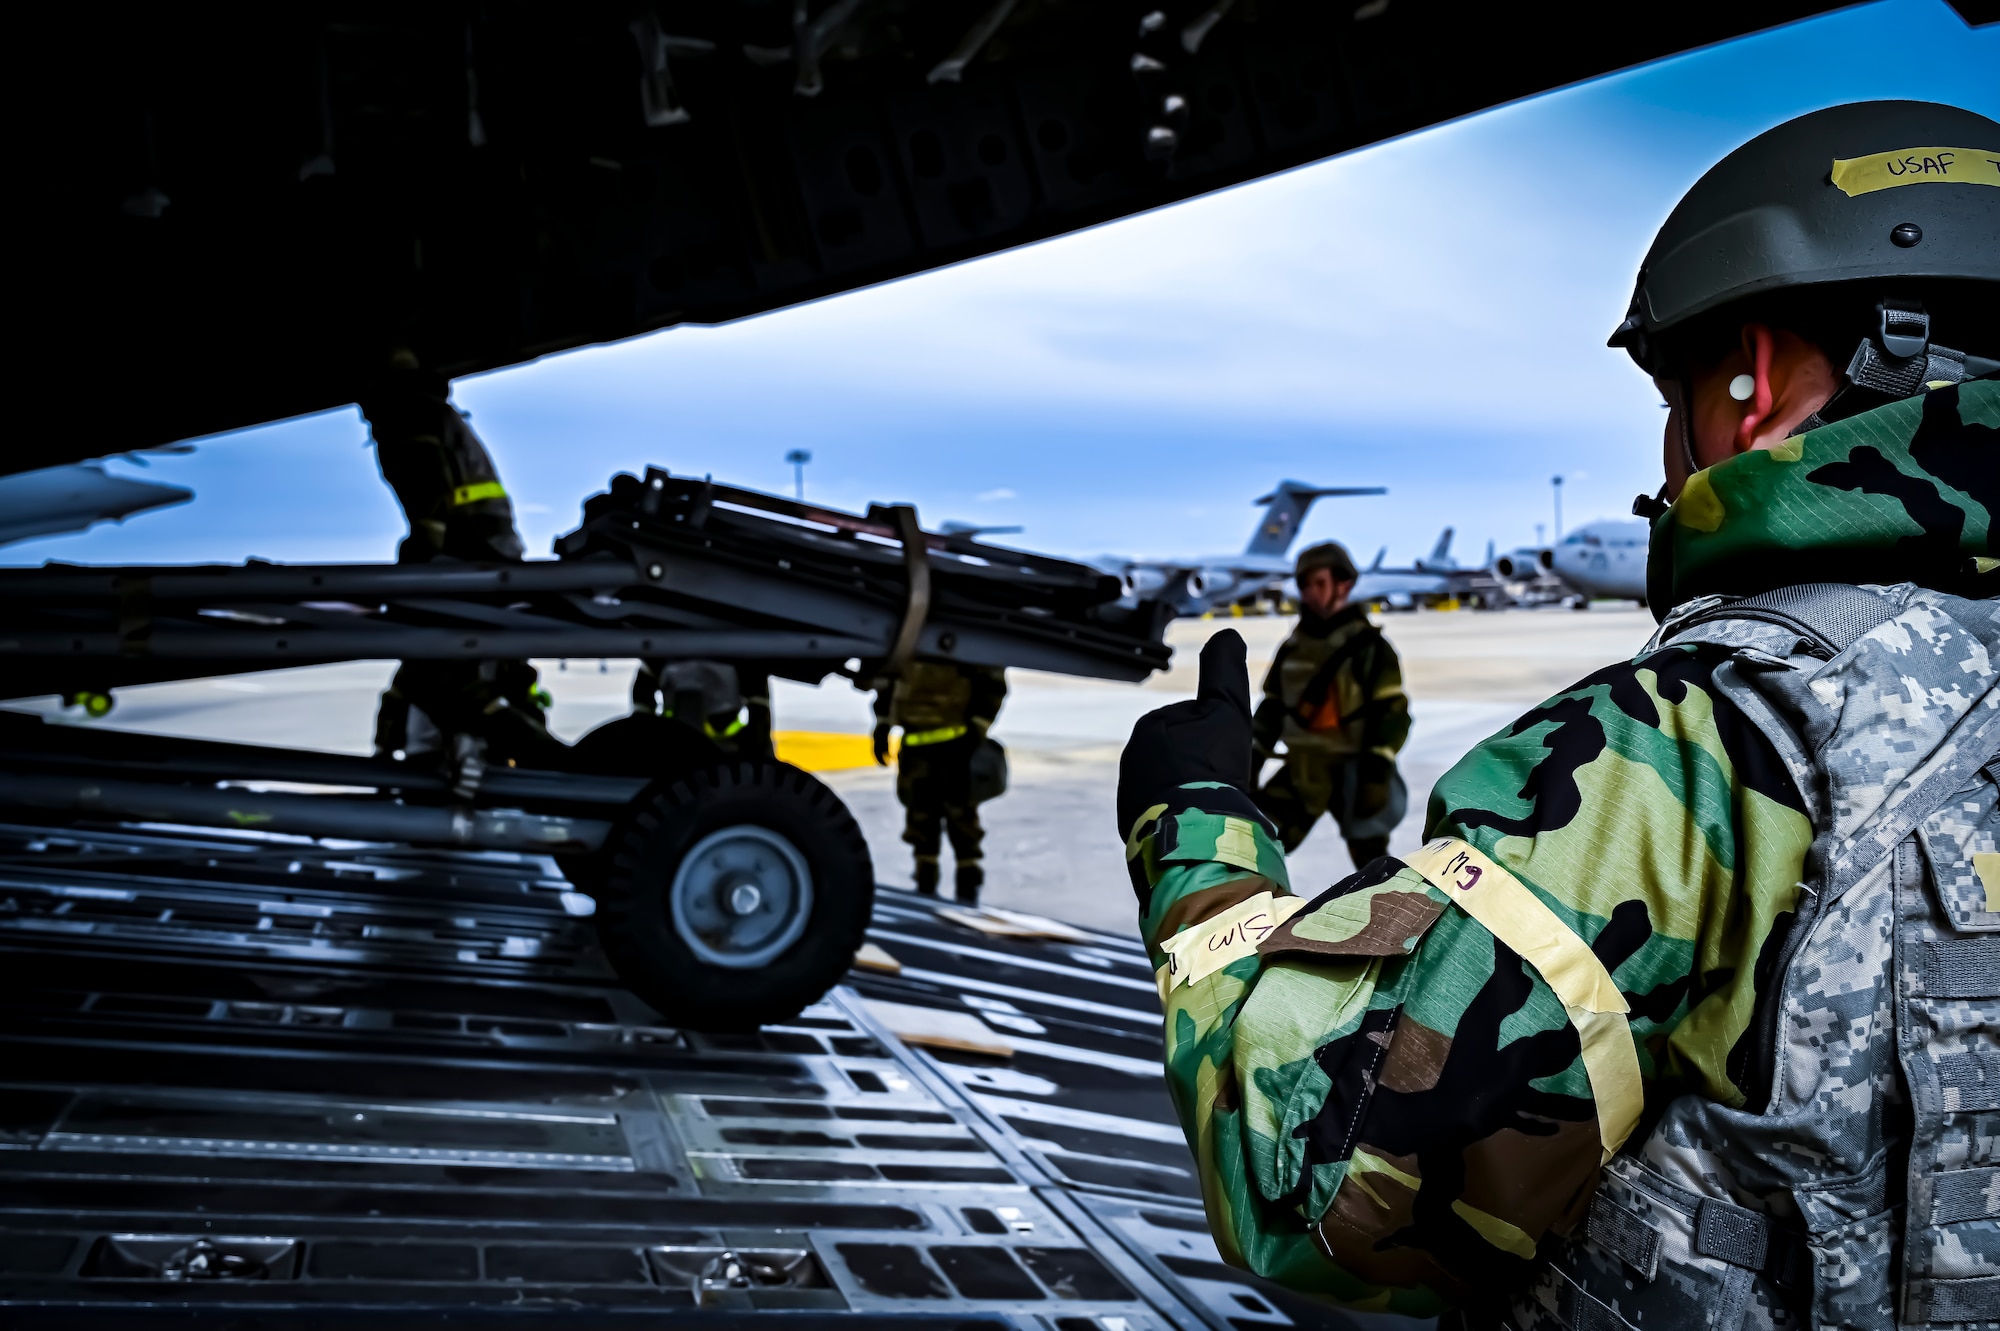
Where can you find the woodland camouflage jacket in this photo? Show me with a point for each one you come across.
(1387, 1104)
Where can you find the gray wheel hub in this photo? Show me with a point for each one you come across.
(741, 896)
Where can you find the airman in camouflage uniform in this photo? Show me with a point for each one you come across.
(946, 766)
(1685, 1014)
(1334, 698)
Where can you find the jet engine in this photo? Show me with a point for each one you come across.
(1204, 583)
(1527, 562)
(1143, 580)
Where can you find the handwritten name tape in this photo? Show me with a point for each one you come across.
(1916, 166)
(1492, 895)
(1197, 953)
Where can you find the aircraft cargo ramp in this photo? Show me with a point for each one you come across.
(260, 1082)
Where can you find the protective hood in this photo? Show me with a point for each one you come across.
(1908, 492)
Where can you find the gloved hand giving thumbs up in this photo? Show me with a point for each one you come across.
(1207, 740)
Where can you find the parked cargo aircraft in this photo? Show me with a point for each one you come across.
(1604, 559)
(1599, 559)
(1196, 585)
(1435, 577)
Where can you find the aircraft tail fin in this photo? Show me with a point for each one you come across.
(1285, 511)
(1490, 552)
(1441, 552)
(969, 530)
(1380, 555)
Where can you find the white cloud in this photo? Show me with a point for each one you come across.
(994, 496)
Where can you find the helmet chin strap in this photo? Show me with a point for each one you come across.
(1678, 409)
(1674, 389)
(1898, 360)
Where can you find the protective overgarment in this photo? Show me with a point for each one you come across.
(457, 509)
(1334, 697)
(946, 767)
(1686, 1016)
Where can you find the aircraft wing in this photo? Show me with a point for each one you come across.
(57, 500)
(231, 214)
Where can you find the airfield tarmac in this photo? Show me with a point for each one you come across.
(1051, 845)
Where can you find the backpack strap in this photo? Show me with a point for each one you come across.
(1827, 616)
(1313, 696)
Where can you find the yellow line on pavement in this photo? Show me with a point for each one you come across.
(818, 751)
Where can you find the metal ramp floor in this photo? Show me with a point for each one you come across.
(248, 1082)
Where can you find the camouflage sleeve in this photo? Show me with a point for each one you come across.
(1387, 1105)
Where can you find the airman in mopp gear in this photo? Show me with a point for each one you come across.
(1334, 698)
(1684, 1015)
(946, 766)
(451, 495)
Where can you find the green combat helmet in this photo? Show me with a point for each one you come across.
(1870, 226)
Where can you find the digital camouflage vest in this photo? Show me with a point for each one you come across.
(1865, 1192)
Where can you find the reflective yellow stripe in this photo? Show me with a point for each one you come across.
(938, 736)
(472, 494)
(1517, 917)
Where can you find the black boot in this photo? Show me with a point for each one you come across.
(971, 877)
(927, 875)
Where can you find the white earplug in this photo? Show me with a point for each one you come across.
(1741, 387)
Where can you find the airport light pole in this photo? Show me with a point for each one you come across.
(798, 457)
(1557, 482)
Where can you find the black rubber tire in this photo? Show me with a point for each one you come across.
(641, 745)
(638, 935)
(635, 745)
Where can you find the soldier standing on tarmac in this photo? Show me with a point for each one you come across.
(457, 509)
(1685, 1016)
(1334, 696)
(946, 766)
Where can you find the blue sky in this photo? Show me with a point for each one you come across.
(1427, 314)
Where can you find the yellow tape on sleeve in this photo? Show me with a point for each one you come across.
(1490, 894)
(1916, 166)
(1231, 935)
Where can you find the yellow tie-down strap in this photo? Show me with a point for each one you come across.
(1517, 917)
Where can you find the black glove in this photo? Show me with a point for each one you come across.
(1204, 740)
(882, 744)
